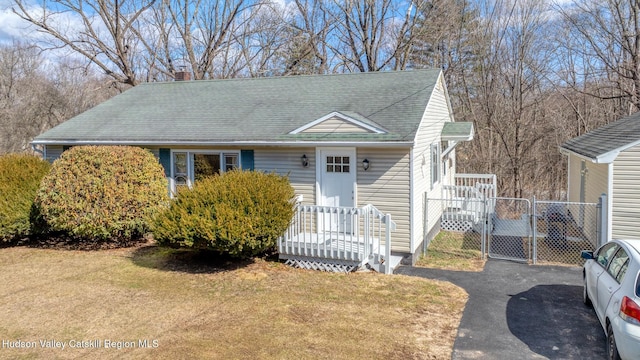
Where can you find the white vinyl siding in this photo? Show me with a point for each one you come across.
(154, 150)
(336, 125)
(595, 184)
(288, 161)
(626, 194)
(52, 152)
(428, 134)
(386, 186)
(574, 168)
(596, 181)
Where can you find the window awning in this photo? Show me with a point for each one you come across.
(457, 131)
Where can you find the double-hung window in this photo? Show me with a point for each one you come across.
(191, 166)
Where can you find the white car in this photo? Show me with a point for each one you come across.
(612, 285)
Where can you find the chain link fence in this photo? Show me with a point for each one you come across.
(563, 229)
(544, 232)
(459, 224)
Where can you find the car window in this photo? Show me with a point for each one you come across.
(617, 263)
(638, 285)
(622, 271)
(605, 253)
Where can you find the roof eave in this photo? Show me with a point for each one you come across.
(225, 143)
(605, 158)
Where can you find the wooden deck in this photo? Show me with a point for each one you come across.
(330, 245)
(338, 238)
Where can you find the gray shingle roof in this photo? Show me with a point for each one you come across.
(458, 131)
(253, 110)
(604, 143)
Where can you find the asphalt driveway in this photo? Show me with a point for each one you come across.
(520, 311)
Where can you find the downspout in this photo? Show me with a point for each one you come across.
(610, 201)
(42, 151)
(412, 204)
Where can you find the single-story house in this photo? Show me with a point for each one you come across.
(344, 140)
(607, 161)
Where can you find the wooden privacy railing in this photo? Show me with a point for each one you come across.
(338, 233)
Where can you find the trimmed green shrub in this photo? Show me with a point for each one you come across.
(20, 176)
(102, 192)
(240, 213)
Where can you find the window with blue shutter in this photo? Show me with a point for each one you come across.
(246, 159)
(165, 160)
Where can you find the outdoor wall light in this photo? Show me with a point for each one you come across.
(365, 164)
(305, 160)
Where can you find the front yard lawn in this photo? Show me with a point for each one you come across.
(105, 304)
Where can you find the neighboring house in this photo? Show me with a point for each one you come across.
(345, 140)
(607, 161)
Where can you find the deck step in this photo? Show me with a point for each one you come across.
(378, 266)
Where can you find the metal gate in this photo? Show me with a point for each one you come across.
(509, 231)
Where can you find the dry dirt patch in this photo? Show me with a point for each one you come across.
(185, 304)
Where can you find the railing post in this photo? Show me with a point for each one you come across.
(366, 228)
(387, 249)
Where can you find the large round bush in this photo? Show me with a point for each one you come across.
(20, 176)
(241, 213)
(102, 192)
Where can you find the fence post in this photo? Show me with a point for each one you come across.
(485, 218)
(534, 225)
(425, 223)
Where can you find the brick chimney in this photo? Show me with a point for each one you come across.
(182, 76)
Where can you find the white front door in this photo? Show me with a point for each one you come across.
(337, 177)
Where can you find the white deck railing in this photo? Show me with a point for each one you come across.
(338, 233)
(474, 185)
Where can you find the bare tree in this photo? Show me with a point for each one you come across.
(107, 32)
(608, 35)
(34, 98)
(372, 35)
(506, 94)
(307, 48)
(203, 32)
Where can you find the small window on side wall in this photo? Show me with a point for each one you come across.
(435, 164)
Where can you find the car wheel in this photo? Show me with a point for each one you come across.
(585, 295)
(612, 348)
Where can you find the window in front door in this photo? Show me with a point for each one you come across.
(338, 164)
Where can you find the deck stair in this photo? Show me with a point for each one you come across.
(466, 204)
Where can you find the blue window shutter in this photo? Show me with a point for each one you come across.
(246, 159)
(165, 160)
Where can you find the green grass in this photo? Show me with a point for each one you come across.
(199, 306)
(454, 251)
